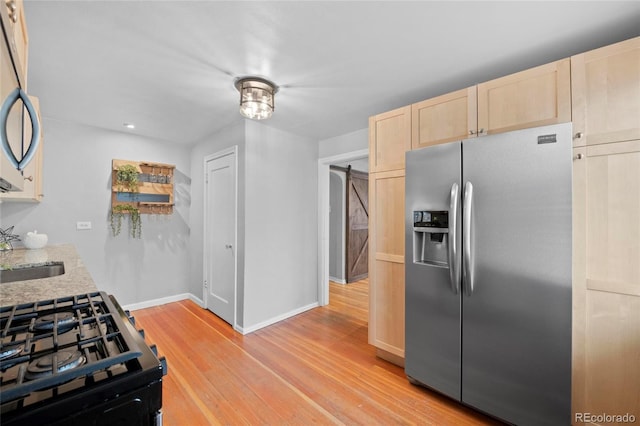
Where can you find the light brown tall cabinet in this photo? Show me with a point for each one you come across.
(606, 293)
(389, 139)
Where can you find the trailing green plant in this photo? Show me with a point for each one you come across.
(135, 220)
(127, 178)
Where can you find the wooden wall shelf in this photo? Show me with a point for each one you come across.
(154, 193)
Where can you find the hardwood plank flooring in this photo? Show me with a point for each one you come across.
(314, 368)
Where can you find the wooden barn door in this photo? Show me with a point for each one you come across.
(357, 229)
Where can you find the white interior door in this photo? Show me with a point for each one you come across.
(220, 235)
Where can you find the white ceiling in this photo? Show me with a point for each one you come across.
(169, 66)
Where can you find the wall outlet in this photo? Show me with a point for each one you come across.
(82, 226)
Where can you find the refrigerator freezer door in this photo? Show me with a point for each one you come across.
(432, 310)
(516, 332)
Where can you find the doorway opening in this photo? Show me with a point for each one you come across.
(324, 215)
(349, 221)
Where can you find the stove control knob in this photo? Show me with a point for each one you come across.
(163, 362)
(131, 318)
(141, 331)
(154, 349)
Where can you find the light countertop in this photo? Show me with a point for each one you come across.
(75, 280)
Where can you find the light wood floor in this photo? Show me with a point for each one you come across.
(314, 368)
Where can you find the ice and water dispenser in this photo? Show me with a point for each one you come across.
(430, 237)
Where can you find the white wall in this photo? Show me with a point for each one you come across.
(228, 137)
(337, 219)
(348, 142)
(281, 223)
(77, 187)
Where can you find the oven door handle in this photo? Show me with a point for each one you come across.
(8, 103)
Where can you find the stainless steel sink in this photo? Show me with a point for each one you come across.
(34, 272)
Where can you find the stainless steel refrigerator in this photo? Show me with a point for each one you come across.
(488, 273)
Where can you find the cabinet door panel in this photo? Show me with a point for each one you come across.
(606, 288)
(388, 191)
(389, 139)
(606, 86)
(446, 118)
(386, 261)
(535, 97)
(612, 354)
(389, 298)
(613, 217)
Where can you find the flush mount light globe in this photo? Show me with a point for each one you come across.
(257, 97)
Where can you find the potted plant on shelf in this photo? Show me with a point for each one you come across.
(135, 220)
(127, 178)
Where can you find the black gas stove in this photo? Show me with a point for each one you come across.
(77, 360)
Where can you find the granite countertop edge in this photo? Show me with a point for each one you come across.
(75, 280)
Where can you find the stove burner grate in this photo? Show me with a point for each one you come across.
(10, 351)
(60, 361)
(64, 321)
(97, 341)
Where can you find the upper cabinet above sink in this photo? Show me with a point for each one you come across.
(20, 123)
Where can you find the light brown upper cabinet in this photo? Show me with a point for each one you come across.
(531, 98)
(389, 139)
(606, 88)
(535, 97)
(446, 118)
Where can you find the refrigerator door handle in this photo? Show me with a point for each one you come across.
(467, 272)
(454, 261)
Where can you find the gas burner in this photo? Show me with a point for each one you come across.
(65, 321)
(10, 351)
(43, 366)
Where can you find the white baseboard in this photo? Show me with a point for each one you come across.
(163, 301)
(251, 329)
(200, 302)
(337, 280)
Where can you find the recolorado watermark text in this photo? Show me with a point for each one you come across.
(605, 418)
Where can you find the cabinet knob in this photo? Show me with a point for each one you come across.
(29, 178)
(481, 131)
(578, 135)
(228, 246)
(578, 157)
(472, 132)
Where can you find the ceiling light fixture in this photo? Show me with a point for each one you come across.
(257, 97)
(129, 125)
